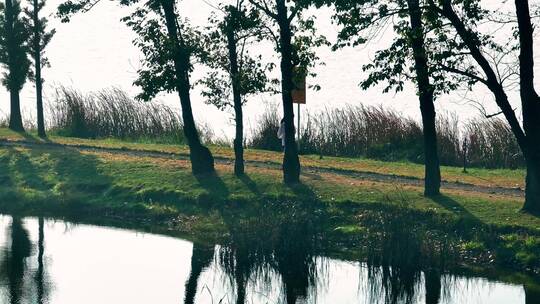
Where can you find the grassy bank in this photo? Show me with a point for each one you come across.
(486, 229)
(507, 178)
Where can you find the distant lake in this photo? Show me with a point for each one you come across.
(56, 262)
(95, 51)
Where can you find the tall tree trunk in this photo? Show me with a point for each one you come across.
(39, 101)
(15, 119)
(532, 187)
(237, 97)
(37, 63)
(530, 102)
(291, 162)
(202, 160)
(426, 95)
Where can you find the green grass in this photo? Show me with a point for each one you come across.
(49, 174)
(476, 176)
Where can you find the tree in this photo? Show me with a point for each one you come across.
(168, 45)
(410, 57)
(14, 57)
(426, 95)
(40, 38)
(530, 103)
(294, 43)
(465, 26)
(234, 70)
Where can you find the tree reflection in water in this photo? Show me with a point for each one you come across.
(16, 268)
(201, 257)
(276, 255)
(39, 277)
(283, 238)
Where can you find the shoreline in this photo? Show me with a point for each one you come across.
(161, 195)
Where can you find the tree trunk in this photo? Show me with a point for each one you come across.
(530, 102)
(202, 160)
(15, 119)
(39, 81)
(532, 187)
(39, 101)
(291, 162)
(426, 95)
(237, 97)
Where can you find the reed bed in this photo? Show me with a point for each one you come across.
(113, 113)
(378, 133)
(491, 144)
(353, 131)
(264, 134)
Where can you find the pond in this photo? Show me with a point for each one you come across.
(51, 261)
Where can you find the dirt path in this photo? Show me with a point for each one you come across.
(376, 177)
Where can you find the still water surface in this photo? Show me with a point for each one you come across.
(46, 261)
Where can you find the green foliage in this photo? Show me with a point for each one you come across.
(40, 36)
(305, 39)
(522, 249)
(68, 8)
(305, 43)
(362, 21)
(157, 73)
(14, 47)
(244, 26)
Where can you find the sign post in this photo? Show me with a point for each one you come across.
(298, 124)
(299, 93)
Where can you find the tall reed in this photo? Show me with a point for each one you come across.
(353, 131)
(491, 144)
(113, 113)
(375, 132)
(264, 134)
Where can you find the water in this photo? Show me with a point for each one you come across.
(46, 261)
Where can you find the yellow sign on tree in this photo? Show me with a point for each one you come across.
(299, 81)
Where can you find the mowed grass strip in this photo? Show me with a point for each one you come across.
(506, 178)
